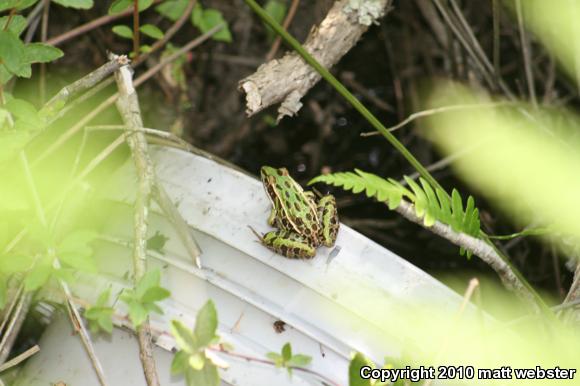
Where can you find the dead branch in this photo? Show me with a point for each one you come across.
(479, 248)
(288, 79)
(85, 83)
(20, 358)
(128, 106)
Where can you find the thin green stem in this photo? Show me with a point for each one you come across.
(344, 92)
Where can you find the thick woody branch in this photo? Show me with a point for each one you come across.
(128, 106)
(288, 79)
(479, 248)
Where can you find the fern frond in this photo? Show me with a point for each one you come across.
(430, 204)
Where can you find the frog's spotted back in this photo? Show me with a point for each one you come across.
(304, 224)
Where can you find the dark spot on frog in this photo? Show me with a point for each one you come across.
(287, 184)
(287, 194)
(296, 206)
(209, 180)
(308, 216)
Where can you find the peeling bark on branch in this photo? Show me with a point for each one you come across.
(288, 79)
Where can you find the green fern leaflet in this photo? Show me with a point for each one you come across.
(430, 204)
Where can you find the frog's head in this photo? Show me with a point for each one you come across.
(267, 172)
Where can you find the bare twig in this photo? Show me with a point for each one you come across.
(20, 358)
(140, 80)
(14, 325)
(479, 248)
(248, 358)
(181, 226)
(285, 25)
(43, 36)
(128, 106)
(438, 110)
(136, 47)
(157, 45)
(73, 33)
(349, 79)
(473, 285)
(496, 12)
(85, 83)
(73, 312)
(526, 53)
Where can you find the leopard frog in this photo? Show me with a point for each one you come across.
(303, 221)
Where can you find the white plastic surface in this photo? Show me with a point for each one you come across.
(341, 301)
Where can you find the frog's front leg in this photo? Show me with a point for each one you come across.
(328, 216)
(289, 244)
(272, 217)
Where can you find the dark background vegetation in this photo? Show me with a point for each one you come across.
(385, 70)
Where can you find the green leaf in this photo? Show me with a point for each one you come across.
(277, 10)
(149, 280)
(456, 211)
(276, 358)
(206, 324)
(25, 114)
(65, 274)
(10, 264)
(145, 4)
(197, 15)
(123, 31)
(208, 376)
(286, 352)
(80, 261)
(152, 307)
(354, 378)
(38, 276)
(11, 142)
(18, 4)
(11, 51)
(196, 361)
(78, 240)
(155, 294)
(75, 251)
(300, 360)
(137, 313)
(3, 292)
(184, 337)
(16, 26)
(119, 6)
(151, 31)
(105, 321)
(41, 53)
(77, 4)
(209, 18)
(172, 9)
(157, 242)
(179, 363)
(103, 298)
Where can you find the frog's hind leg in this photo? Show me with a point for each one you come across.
(328, 216)
(289, 244)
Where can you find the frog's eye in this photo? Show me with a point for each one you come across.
(283, 172)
